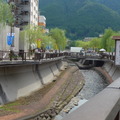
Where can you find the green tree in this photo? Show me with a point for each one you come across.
(95, 43)
(59, 36)
(106, 41)
(83, 44)
(32, 34)
(48, 41)
(79, 43)
(5, 13)
(29, 35)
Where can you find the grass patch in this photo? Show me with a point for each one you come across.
(10, 107)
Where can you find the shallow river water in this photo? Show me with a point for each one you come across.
(94, 83)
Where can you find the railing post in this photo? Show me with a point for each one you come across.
(22, 55)
(112, 56)
(25, 56)
(2, 55)
(29, 54)
(109, 56)
(34, 56)
(85, 54)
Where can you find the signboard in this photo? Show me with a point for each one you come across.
(117, 56)
(38, 43)
(48, 47)
(10, 38)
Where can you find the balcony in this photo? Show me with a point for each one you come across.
(24, 23)
(25, 2)
(24, 13)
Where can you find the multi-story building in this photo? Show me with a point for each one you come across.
(25, 12)
(42, 21)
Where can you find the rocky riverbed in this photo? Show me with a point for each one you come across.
(94, 83)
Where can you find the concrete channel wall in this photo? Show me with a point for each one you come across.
(21, 80)
(112, 70)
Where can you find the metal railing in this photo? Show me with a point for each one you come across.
(109, 55)
(24, 56)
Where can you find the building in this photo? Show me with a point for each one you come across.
(25, 12)
(3, 38)
(42, 21)
(86, 39)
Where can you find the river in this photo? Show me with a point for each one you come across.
(94, 83)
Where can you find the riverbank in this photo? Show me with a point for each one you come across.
(47, 102)
(102, 71)
(94, 83)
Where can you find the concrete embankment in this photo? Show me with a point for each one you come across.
(112, 70)
(109, 70)
(45, 103)
(21, 80)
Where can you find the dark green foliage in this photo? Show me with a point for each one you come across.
(113, 4)
(81, 18)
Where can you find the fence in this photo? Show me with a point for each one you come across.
(110, 56)
(24, 56)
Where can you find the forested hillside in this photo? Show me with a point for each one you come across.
(113, 4)
(81, 18)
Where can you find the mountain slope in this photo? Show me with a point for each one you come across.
(80, 18)
(113, 4)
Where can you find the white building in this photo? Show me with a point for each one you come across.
(25, 12)
(34, 12)
(42, 21)
(4, 31)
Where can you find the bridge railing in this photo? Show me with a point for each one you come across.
(108, 55)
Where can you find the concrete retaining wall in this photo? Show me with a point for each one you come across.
(19, 81)
(112, 70)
